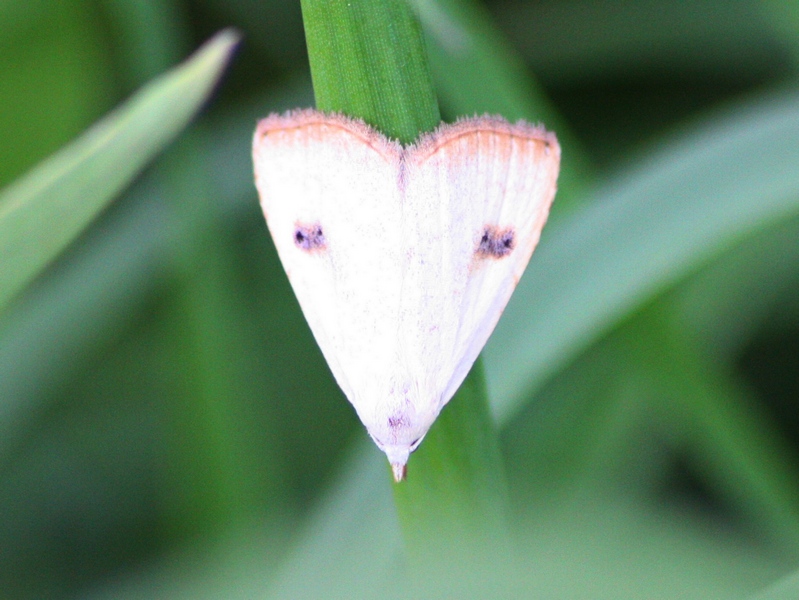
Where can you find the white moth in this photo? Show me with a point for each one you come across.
(402, 257)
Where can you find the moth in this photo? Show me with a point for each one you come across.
(402, 257)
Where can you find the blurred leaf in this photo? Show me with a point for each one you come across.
(650, 226)
(601, 548)
(56, 77)
(576, 41)
(150, 35)
(218, 462)
(784, 16)
(120, 259)
(42, 213)
(351, 542)
(786, 589)
(727, 303)
(735, 442)
(272, 28)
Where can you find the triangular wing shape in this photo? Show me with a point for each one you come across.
(329, 192)
(403, 259)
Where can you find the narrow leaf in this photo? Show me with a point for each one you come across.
(44, 211)
(368, 60)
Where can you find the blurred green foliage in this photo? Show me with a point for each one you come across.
(168, 427)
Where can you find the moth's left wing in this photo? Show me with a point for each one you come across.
(328, 188)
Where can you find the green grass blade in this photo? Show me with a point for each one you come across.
(44, 211)
(367, 60)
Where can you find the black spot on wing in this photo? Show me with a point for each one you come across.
(496, 242)
(309, 237)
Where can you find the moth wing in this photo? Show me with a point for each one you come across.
(480, 191)
(328, 189)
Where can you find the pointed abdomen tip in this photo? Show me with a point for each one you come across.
(400, 471)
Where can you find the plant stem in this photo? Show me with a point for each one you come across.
(368, 60)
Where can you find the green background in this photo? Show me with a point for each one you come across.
(168, 427)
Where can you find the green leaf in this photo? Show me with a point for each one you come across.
(367, 60)
(45, 210)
